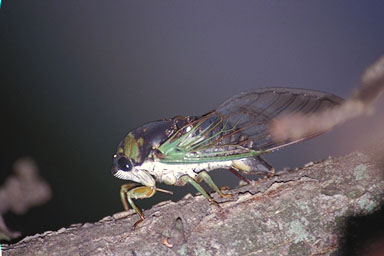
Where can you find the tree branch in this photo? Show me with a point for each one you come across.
(299, 212)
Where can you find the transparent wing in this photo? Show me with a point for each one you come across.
(238, 128)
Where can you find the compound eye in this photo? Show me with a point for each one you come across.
(124, 164)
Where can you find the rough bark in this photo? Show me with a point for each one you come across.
(298, 212)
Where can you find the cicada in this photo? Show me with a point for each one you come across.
(183, 149)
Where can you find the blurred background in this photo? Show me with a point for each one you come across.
(76, 76)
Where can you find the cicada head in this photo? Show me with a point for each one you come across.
(124, 161)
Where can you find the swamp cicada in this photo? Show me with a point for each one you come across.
(183, 149)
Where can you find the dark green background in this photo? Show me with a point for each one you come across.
(76, 76)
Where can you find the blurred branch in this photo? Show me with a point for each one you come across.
(21, 191)
(299, 212)
(293, 127)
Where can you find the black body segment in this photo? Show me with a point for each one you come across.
(153, 134)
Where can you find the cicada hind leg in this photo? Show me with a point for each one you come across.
(253, 165)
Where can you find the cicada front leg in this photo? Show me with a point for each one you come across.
(129, 191)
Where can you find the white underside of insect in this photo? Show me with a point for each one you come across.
(171, 173)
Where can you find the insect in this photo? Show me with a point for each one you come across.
(183, 149)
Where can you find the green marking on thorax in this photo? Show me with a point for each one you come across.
(132, 146)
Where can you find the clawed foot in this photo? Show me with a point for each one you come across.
(225, 195)
(134, 227)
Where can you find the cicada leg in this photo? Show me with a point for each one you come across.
(205, 176)
(199, 188)
(129, 191)
(234, 171)
(253, 165)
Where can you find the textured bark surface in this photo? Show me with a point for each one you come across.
(299, 212)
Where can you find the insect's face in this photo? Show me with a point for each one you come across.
(123, 168)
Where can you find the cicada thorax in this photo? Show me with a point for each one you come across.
(143, 141)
